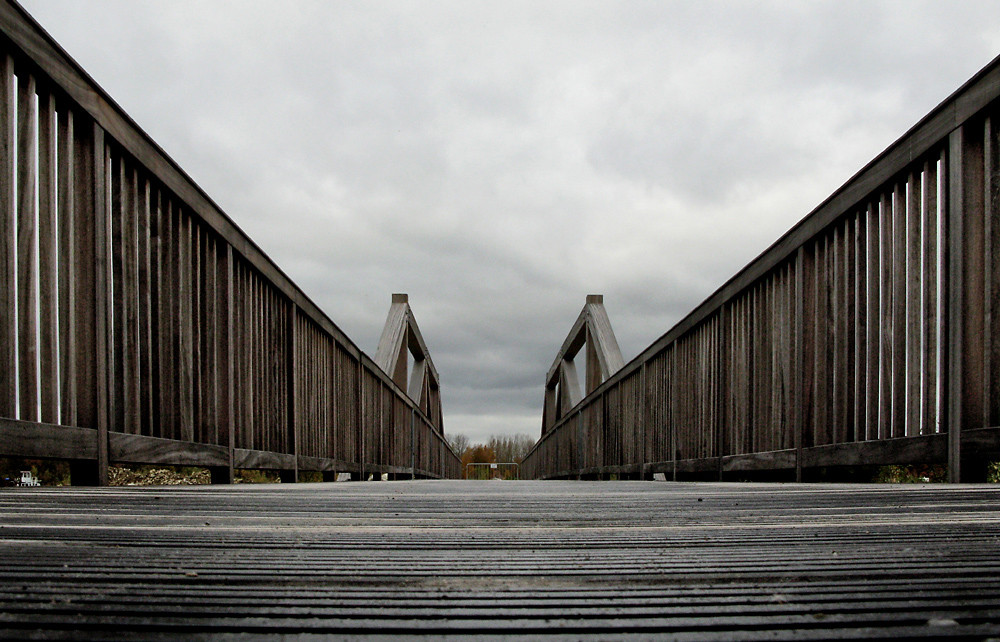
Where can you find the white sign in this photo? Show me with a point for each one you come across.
(493, 465)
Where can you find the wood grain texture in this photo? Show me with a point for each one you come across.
(48, 261)
(8, 240)
(592, 560)
(27, 232)
(68, 267)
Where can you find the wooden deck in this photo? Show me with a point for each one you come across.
(569, 559)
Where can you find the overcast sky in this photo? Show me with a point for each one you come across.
(500, 160)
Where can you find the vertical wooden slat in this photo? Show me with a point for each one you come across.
(874, 321)
(67, 268)
(48, 260)
(821, 329)
(991, 262)
(118, 316)
(886, 293)
(913, 289)
(27, 272)
(129, 292)
(836, 318)
(197, 331)
(225, 316)
(293, 400)
(847, 319)
(8, 241)
(169, 320)
(102, 283)
(212, 332)
(185, 364)
(147, 361)
(929, 384)
(899, 310)
(803, 353)
(861, 382)
(154, 210)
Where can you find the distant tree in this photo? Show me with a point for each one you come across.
(511, 448)
(459, 443)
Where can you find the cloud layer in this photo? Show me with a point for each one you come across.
(499, 161)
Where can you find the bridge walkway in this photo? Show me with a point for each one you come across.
(566, 559)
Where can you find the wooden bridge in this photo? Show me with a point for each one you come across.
(138, 324)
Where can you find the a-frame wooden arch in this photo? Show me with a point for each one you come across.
(603, 359)
(401, 339)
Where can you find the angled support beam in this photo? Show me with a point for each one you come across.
(401, 339)
(592, 329)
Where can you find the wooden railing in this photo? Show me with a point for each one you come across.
(139, 324)
(866, 335)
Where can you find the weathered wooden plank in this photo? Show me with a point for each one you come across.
(129, 291)
(914, 190)
(773, 460)
(119, 318)
(861, 382)
(147, 361)
(887, 327)
(258, 459)
(27, 231)
(30, 439)
(68, 267)
(140, 449)
(874, 322)
(197, 334)
(99, 216)
(8, 240)
(227, 341)
(170, 320)
(930, 382)
(48, 261)
(185, 339)
(882, 452)
(154, 207)
(848, 318)
(87, 284)
(899, 291)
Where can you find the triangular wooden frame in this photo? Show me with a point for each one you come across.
(603, 359)
(401, 339)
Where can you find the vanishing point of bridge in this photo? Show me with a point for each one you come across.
(140, 325)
